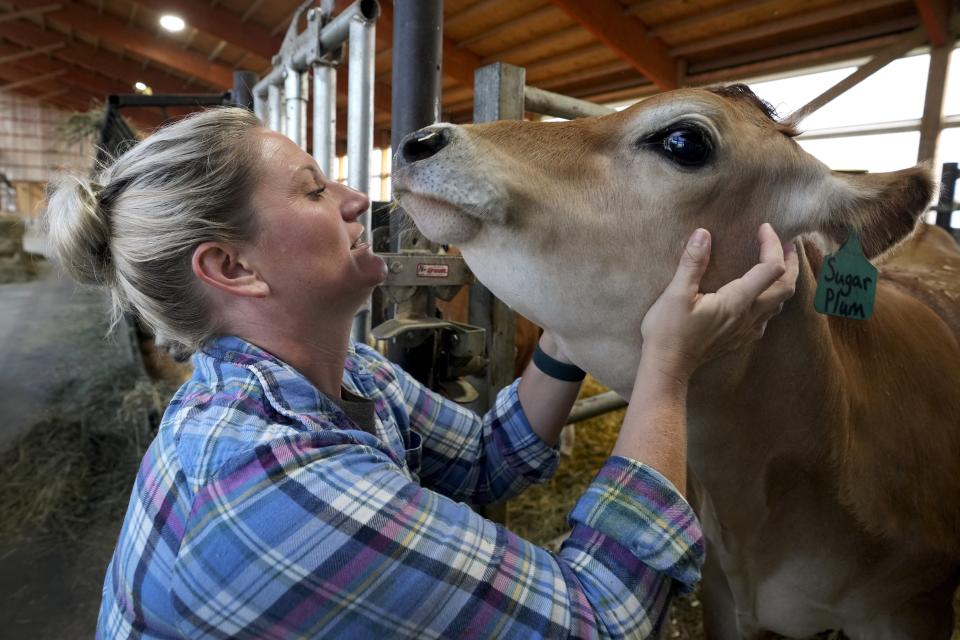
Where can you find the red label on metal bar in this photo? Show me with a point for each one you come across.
(432, 270)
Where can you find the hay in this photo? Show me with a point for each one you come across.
(74, 468)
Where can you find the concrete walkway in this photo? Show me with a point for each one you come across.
(51, 334)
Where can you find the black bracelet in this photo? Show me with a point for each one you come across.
(556, 369)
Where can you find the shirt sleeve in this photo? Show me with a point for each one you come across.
(301, 540)
(466, 457)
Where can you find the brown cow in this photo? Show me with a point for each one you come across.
(825, 459)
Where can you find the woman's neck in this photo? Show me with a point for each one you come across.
(316, 347)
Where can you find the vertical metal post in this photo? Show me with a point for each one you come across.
(325, 116)
(295, 103)
(360, 131)
(418, 29)
(948, 189)
(275, 108)
(260, 108)
(243, 83)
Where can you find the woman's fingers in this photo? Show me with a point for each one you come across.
(770, 302)
(693, 264)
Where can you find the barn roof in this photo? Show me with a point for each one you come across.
(70, 52)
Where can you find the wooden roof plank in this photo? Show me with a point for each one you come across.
(934, 14)
(703, 17)
(226, 25)
(99, 61)
(626, 36)
(141, 42)
(776, 27)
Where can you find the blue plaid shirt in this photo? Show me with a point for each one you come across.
(262, 511)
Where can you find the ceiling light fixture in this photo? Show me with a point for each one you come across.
(139, 86)
(172, 23)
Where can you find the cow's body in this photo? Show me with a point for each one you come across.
(844, 519)
(825, 459)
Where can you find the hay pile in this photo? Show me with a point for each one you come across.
(16, 265)
(74, 468)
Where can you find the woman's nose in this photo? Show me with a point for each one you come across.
(353, 204)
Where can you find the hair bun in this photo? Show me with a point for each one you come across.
(79, 229)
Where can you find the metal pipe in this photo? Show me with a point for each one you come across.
(260, 108)
(243, 83)
(418, 34)
(948, 186)
(360, 131)
(307, 51)
(325, 116)
(595, 405)
(560, 106)
(274, 108)
(295, 103)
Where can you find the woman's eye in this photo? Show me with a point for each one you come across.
(316, 193)
(687, 146)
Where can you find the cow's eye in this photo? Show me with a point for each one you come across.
(687, 145)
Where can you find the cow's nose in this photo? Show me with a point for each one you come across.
(424, 143)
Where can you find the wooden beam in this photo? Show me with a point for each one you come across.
(883, 57)
(894, 27)
(226, 25)
(12, 57)
(470, 14)
(645, 5)
(626, 36)
(143, 43)
(932, 122)
(26, 82)
(522, 22)
(16, 15)
(703, 17)
(781, 26)
(95, 60)
(94, 85)
(934, 14)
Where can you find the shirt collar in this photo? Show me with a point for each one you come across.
(287, 390)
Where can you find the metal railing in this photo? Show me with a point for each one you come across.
(280, 99)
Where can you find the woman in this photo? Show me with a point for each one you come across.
(301, 485)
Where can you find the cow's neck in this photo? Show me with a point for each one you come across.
(774, 406)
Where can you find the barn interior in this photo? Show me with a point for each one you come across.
(82, 80)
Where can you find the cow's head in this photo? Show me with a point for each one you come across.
(567, 219)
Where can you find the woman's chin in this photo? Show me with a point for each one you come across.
(369, 264)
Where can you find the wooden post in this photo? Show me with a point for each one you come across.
(932, 122)
(498, 95)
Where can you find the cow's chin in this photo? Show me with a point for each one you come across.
(438, 220)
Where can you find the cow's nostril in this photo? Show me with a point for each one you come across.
(424, 143)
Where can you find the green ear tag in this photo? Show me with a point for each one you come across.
(847, 287)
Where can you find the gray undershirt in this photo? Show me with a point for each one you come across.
(359, 410)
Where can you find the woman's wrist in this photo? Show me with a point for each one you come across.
(664, 366)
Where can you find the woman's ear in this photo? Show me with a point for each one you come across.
(221, 266)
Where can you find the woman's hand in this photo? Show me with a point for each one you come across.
(685, 328)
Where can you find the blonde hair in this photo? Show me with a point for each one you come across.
(134, 226)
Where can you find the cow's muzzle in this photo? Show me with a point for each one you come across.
(422, 144)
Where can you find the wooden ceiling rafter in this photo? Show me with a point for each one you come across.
(625, 35)
(783, 25)
(77, 54)
(704, 17)
(523, 22)
(935, 15)
(139, 41)
(27, 53)
(26, 13)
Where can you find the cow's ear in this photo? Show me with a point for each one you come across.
(882, 207)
